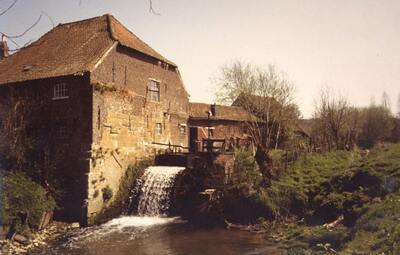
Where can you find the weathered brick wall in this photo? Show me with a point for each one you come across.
(67, 157)
(222, 129)
(124, 118)
(4, 110)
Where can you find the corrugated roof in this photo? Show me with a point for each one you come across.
(222, 112)
(71, 48)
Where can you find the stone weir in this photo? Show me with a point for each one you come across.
(182, 185)
(199, 188)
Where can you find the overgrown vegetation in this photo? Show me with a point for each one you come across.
(107, 193)
(23, 202)
(358, 191)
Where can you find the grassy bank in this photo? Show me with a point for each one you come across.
(363, 190)
(357, 191)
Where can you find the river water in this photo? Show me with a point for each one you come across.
(157, 235)
(151, 232)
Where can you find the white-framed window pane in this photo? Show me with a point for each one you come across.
(61, 131)
(60, 90)
(182, 129)
(154, 90)
(158, 128)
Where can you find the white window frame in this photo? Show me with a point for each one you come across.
(60, 91)
(61, 131)
(182, 129)
(158, 129)
(152, 90)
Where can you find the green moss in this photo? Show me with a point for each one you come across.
(107, 193)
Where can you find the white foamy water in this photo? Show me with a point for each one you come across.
(157, 183)
(155, 188)
(131, 226)
(136, 221)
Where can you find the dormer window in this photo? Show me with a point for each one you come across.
(60, 91)
(154, 90)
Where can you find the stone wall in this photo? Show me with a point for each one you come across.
(125, 119)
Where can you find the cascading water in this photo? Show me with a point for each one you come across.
(154, 190)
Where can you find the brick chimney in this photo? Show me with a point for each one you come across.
(3, 49)
(213, 109)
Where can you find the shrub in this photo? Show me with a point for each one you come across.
(246, 168)
(23, 202)
(107, 193)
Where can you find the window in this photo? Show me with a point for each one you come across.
(60, 91)
(154, 90)
(158, 128)
(182, 129)
(99, 118)
(61, 131)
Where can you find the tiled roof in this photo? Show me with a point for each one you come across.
(234, 113)
(71, 48)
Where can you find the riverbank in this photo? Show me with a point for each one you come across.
(37, 241)
(345, 202)
(342, 202)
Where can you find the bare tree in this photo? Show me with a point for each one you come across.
(332, 120)
(398, 105)
(8, 8)
(386, 100)
(377, 126)
(268, 98)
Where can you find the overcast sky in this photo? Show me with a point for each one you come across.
(351, 46)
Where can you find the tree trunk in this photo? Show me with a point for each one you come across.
(262, 160)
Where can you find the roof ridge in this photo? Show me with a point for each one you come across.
(82, 20)
(129, 31)
(110, 28)
(111, 19)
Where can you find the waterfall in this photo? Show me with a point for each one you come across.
(154, 190)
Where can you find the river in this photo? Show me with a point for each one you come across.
(158, 235)
(150, 232)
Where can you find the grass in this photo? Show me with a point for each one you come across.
(293, 192)
(319, 188)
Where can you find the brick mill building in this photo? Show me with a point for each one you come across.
(97, 98)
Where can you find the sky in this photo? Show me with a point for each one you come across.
(351, 46)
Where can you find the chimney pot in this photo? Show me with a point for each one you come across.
(3, 49)
(213, 109)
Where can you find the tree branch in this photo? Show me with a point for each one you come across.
(151, 9)
(11, 6)
(23, 33)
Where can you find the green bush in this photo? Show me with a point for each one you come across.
(247, 168)
(107, 193)
(23, 202)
